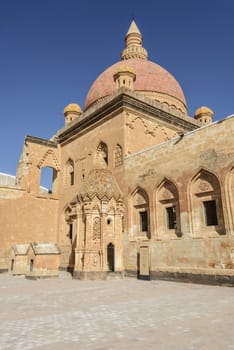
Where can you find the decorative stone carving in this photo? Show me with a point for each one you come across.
(96, 229)
(100, 183)
(49, 158)
(118, 155)
(95, 261)
(139, 199)
(167, 194)
(203, 186)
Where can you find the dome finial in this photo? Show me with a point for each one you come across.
(133, 40)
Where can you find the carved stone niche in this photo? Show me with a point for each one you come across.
(167, 193)
(203, 186)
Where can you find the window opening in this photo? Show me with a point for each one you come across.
(210, 213)
(46, 180)
(12, 264)
(72, 178)
(143, 221)
(70, 233)
(171, 217)
(31, 265)
(103, 151)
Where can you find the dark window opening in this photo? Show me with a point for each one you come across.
(171, 218)
(12, 264)
(210, 213)
(108, 221)
(70, 233)
(31, 265)
(143, 221)
(72, 178)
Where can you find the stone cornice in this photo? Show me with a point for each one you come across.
(125, 98)
(40, 141)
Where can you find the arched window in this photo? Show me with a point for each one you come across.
(48, 180)
(140, 219)
(118, 155)
(70, 175)
(206, 205)
(102, 151)
(168, 210)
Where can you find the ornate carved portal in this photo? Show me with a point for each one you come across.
(99, 227)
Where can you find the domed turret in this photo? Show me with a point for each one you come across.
(204, 115)
(151, 80)
(71, 112)
(125, 76)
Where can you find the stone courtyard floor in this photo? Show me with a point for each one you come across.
(62, 313)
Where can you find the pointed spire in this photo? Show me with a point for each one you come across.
(133, 28)
(133, 40)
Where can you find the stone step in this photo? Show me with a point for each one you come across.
(114, 276)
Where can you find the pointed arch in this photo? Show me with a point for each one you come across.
(206, 209)
(49, 159)
(140, 218)
(102, 152)
(49, 168)
(168, 209)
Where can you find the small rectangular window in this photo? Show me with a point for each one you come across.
(171, 217)
(210, 213)
(143, 221)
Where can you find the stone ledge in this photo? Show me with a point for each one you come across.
(210, 279)
(92, 275)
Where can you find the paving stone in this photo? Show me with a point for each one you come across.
(62, 313)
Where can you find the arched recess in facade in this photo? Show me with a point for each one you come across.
(229, 186)
(167, 210)
(206, 209)
(69, 173)
(140, 214)
(68, 239)
(49, 160)
(102, 154)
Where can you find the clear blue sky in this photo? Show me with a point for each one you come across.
(52, 50)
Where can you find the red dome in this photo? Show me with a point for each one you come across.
(150, 77)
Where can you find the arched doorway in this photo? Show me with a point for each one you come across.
(111, 257)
